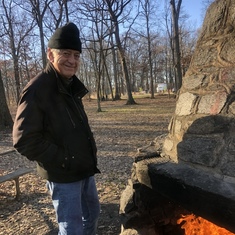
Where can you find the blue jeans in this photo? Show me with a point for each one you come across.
(76, 205)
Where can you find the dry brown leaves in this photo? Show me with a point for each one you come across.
(119, 130)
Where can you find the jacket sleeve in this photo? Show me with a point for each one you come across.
(28, 134)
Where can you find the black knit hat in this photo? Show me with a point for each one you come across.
(66, 37)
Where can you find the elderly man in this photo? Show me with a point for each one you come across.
(51, 128)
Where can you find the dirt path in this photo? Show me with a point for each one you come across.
(119, 130)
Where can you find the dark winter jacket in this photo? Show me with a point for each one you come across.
(51, 128)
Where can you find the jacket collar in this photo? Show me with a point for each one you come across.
(77, 87)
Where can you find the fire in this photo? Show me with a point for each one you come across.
(195, 225)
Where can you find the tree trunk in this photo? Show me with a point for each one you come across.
(117, 95)
(114, 17)
(5, 116)
(130, 99)
(175, 19)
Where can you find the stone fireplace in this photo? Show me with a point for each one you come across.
(184, 182)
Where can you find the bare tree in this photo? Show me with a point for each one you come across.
(16, 30)
(38, 11)
(175, 9)
(5, 116)
(169, 56)
(93, 10)
(115, 9)
(65, 2)
(117, 95)
(57, 13)
(148, 8)
(120, 59)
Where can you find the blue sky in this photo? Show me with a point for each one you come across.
(195, 9)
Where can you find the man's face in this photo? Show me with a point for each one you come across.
(65, 61)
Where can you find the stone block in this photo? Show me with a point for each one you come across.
(213, 124)
(212, 103)
(193, 82)
(168, 144)
(185, 104)
(199, 150)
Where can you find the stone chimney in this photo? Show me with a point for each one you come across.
(202, 130)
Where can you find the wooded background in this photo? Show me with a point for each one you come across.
(128, 45)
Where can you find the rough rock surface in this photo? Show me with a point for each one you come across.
(202, 130)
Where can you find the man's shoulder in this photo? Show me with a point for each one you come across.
(42, 79)
(41, 84)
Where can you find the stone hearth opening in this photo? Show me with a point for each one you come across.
(185, 180)
(162, 198)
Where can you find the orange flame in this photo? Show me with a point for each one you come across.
(195, 225)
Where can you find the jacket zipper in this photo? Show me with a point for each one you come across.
(73, 123)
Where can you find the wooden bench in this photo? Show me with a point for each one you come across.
(15, 176)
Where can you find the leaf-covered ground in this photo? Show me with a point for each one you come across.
(119, 130)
